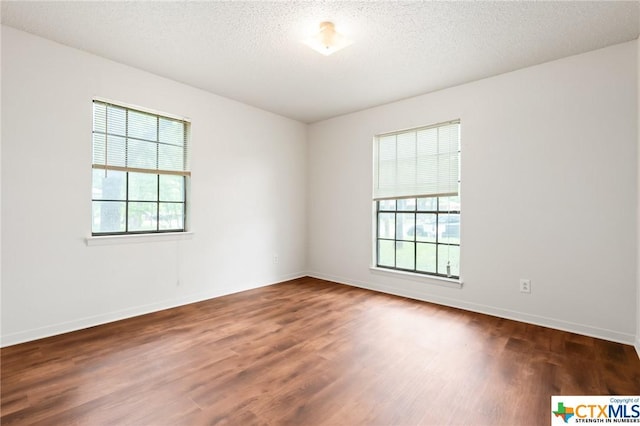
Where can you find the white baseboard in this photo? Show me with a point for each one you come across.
(52, 330)
(92, 321)
(555, 323)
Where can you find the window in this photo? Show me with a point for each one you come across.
(417, 202)
(139, 171)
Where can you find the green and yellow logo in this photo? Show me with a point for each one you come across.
(564, 412)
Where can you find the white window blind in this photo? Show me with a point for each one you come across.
(129, 140)
(422, 162)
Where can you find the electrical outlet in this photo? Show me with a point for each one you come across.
(275, 259)
(525, 285)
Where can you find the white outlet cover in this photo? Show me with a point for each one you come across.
(525, 285)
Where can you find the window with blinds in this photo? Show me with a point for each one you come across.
(417, 203)
(421, 162)
(140, 171)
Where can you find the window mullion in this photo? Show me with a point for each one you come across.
(158, 175)
(158, 203)
(415, 236)
(395, 236)
(437, 235)
(377, 239)
(126, 164)
(126, 203)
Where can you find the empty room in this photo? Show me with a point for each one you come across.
(320, 212)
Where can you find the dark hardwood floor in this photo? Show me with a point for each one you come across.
(308, 352)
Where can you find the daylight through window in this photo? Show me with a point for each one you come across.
(417, 202)
(139, 171)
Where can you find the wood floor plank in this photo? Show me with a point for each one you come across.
(308, 352)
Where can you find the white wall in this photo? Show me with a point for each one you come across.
(0, 193)
(638, 208)
(247, 200)
(549, 193)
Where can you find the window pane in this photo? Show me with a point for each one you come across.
(171, 216)
(99, 117)
(171, 131)
(386, 253)
(405, 252)
(451, 255)
(171, 188)
(116, 120)
(428, 141)
(143, 187)
(454, 203)
(170, 157)
(387, 162)
(446, 204)
(142, 154)
(142, 216)
(387, 205)
(108, 216)
(405, 226)
(426, 227)
(408, 204)
(406, 159)
(143, 126)
(449, 228)
(109, 185)
(386, 225)
(113, 148)
(99, 151)
(428, 204)
(426, 257)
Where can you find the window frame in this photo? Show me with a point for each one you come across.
(156, 171)
(439, 277)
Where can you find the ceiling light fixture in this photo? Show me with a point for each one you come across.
(327, 41)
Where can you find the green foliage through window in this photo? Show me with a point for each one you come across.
(419, 235)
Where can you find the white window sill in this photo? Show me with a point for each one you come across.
(427, 279)
(106, 240)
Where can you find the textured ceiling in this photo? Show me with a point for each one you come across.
(251, 51)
